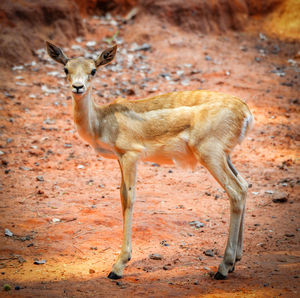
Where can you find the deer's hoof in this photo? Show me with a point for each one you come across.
(232, 269)
(219, 276)
(113, 275)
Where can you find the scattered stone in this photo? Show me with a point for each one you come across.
(164, 243)
(21, 260)
(275, 49)
(262, 36)
(80, 167)
(280, 197)
(166, 267)
(91, 271)
(289, 235)
(68, 145)
(209, 253)
(55, 220)
(269, 192)
(40, 178)
(196, 282)
(197, 224)
(17, 67)
(155, 257)
(185, 82)
(91, 43)
(8, 233)
(207, 58)
(17, 288)
(144, 47)
(47, 91)
(39, 262)
(53, 73)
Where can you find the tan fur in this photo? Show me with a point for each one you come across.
(180, 127)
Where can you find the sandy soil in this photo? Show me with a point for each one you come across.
(61, 200)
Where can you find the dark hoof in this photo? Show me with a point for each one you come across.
(231, 270)
(113, 275)
(219, 276)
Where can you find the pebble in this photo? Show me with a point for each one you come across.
(8, 233)
(39, 178)
(197, 224)
(207, 58)
(39, 262)
(144, 47)
(80, 167)
(91, 43)
(280, 197)
(55, 220)
(155, 257)
(209, 253)
(185, 82)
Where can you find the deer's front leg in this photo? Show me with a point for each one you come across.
(127, 163)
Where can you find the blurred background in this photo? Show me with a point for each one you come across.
(24, 25)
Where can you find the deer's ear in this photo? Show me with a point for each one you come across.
(56, 53)
(106, 56)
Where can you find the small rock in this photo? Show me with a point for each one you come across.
(8, 233)
(39, 262)
(166, 267)
(80, 167)
(91, 271)
(197, 224)
(17, 288)
(155, 257)
(209, 253)
(164, 243)
(289, 235)
(262, 36)
(185, 82)
(207, 58)
(21, 260)
(55, 220)
(40, 178)
(280, 197)
(91, 43)
(144, 47)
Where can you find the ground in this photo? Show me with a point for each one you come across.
(61, 201)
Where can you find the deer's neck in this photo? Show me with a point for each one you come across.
(85, 117)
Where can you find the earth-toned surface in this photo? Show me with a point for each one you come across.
(61, 201)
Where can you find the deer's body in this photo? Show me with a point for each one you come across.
(180, 127)
(165, 128)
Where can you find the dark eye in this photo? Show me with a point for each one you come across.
(66, 71)
(93, 72)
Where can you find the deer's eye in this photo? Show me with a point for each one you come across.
(93, 72)
(66, 71)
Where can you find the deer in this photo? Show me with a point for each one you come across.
(184, 128)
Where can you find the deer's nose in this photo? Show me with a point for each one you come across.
(78, 87)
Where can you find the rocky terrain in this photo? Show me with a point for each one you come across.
(60, 213)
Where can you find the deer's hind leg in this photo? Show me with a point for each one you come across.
(215, 160)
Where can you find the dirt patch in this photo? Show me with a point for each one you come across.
(26, 24)
(61, 201)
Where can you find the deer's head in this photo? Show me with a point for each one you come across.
(80, 71)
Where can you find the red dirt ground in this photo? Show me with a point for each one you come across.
(39, 142)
